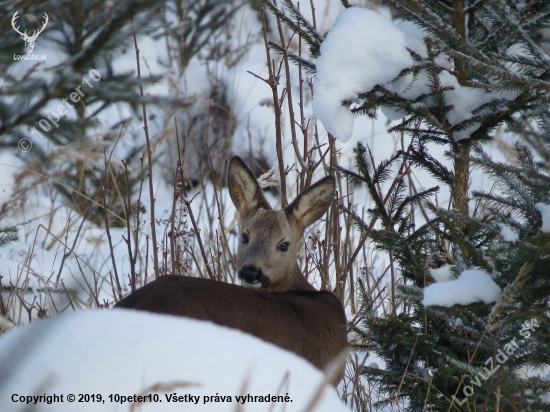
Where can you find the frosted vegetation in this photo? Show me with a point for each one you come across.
(437, 243)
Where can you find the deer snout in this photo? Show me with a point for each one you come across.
(253, 277)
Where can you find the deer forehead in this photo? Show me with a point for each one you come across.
(270, 225)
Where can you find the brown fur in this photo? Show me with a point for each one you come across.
(279, 306)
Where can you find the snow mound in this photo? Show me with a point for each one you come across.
(471, 286)
(361, 50)
(123, 352)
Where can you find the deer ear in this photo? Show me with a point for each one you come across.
(245, 192)
(313, 202)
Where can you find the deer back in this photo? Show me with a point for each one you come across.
(311, 324)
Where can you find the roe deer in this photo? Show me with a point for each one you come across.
(278, 305)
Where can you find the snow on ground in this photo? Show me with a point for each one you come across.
(471, 286)
(126, 352)
(343, 72)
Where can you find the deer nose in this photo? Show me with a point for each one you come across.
(250, 274)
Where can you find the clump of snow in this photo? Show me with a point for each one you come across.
(544, 210)
(361, 50)
(455, 322)
(465, 100)
(442, 274)
(407, 86)
(126, 352)
(471, 286)
(507, 233)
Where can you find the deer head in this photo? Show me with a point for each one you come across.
(269, 239)
(29, 40)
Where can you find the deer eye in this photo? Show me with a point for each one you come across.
(284, 246)
(244, 238)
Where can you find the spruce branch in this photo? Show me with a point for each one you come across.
(312, 39)
(308, 65)
(8, 235)
(508, 295)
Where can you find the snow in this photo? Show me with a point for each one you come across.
(507, 233)
(544, 210)
(465, 100)
(471, 286)
(442, 274)
(361, 50)
(414, 36)
(126, 352)
(516, 50)
(195, 81)
(253, 120)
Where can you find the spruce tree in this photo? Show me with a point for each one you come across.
(68, 151)
(464, 357)
(461, 357)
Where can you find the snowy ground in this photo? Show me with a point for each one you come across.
(121, 352)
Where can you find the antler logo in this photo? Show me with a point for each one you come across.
(29, 40)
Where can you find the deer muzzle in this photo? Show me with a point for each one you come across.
(253, 277)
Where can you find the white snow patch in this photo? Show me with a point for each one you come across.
(361, 50)
(255, 121)
(196, 81)
(442, 274)
(375, 361)
(125, 352)
(544, 210)
(507, 233)
(471, 286)
(465, 100)
(517, 50)
(414, 36)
